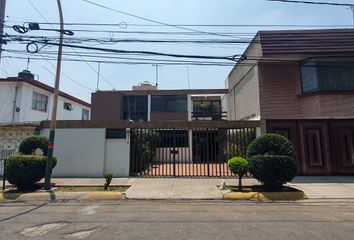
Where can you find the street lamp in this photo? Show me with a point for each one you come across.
(48, 169)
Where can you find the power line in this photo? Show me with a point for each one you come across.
(78, 83)
(151, 20)
(191, 25)
(39, 12)
(314, 3)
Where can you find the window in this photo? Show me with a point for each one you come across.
(85, 114)
(136, 107)
(325, 76)
(169, 103)
(211, 106)
(68, 106)
(115, 133)
(39, 102)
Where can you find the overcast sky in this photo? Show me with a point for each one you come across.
(122, 76)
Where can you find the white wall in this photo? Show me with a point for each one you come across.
(244, 97)
(7, 96)
(117, 157)
(85, 152)
(24, 103)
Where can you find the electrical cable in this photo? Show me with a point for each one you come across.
(151, 20)
(39, 12)
(314, 3)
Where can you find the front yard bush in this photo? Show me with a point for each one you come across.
(30, 144)
(239, 167)
(25, 170)
(271, 144)
(272, 170)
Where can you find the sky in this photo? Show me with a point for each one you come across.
(80, 78)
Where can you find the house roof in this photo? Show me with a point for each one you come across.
(321, 42)
(167, 92)
(45, 87)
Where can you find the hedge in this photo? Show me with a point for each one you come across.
(30, 144)
(271, 144)
(25, 170)
(272, 170)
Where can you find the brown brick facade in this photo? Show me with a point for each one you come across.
(107, 106)
(168, 116)
(281, 97)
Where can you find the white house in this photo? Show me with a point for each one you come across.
(24, 99)
(24, 102)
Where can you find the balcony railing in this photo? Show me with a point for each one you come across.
(209, 116)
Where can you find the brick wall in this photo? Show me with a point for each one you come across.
(107, 106)
(281, 97)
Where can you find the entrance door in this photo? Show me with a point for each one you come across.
(314, 150)
(342, 134)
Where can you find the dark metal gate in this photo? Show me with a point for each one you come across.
(4, 154)
(186, 152)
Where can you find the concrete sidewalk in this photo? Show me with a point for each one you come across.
(206, 188)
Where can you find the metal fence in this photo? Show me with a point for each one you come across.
(187, 152)
(4, 154)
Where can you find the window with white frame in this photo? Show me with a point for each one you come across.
(85, 115)
(39, 102)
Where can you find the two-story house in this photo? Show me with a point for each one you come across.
(300, 83)
(24, 102)
(146, 103)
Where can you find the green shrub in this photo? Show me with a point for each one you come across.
(272, 170)
(30, 144)
(25, 170)
(238, 166)
(108, 177)
(271, 144)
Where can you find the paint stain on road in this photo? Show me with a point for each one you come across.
(89, 210)
(40, 230)
(82, 234)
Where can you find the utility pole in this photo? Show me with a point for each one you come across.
(48, 169)
(2, 19)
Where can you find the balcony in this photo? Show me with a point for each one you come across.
(209, 116)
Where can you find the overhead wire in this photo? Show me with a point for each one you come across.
(39, 12)
(151, 20)
(315, 3)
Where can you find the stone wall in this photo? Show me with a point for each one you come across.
(11, 137)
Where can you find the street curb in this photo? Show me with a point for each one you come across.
(266, 196)
(53, 196)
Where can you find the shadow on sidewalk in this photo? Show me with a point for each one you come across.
(323, 179)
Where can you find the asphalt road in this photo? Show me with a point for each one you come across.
(177, 220)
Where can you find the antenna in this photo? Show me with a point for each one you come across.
(157, 74)
(98, 75)
(28, 63)
(189, 83)
(352, 9)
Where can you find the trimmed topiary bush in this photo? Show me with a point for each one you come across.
(239, 167)
(272, 170)
(271, 144)
(25, 170)
(30, 144)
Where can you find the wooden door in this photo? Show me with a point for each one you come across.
(314, 148)
(342, 138)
